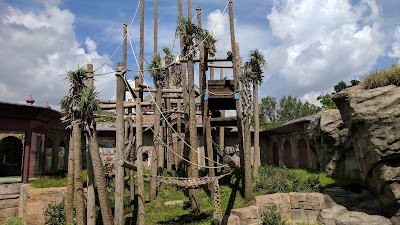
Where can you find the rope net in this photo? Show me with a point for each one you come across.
(188, 183)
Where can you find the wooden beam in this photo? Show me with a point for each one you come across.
(125, 164)
(210, 59)
(219, 66)
(126, 105)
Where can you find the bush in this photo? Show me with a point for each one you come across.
(271, 216)
(55, 214)
(273, 179)
(383, 77)
(14, 221)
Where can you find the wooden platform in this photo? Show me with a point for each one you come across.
(221, 95)
(223, 122)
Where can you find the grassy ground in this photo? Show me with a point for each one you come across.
(157, 213)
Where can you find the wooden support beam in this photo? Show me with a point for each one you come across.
(210, 59)
(125, 164)
(126, 105)
(219, 66)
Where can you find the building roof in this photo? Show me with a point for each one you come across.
(33, 112)
(291, 126)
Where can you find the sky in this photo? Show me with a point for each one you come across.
(309, 45)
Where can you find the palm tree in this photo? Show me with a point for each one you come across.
(256, 65)
(88, 106)
(155, 70)
(188, 32)
(245, 80)
(72, 116)
(209, 43)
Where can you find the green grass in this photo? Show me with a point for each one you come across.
(383, 77)
(59, 180)
(14, 221)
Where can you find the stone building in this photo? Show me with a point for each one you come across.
(288, 145)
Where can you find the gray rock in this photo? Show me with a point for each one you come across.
(331, 142)
(373, 119)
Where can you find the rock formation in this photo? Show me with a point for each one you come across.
(373, 119)
(331, 142)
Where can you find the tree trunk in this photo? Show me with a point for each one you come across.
(256, 160)
(91, 196)
(100, 180)
(193, 169)
(79, 196)
(156, 142)
(69, 205)
(247, 159)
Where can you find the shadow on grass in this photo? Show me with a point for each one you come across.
(235, 189)
(188, 218)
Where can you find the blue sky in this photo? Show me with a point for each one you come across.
(310, 45)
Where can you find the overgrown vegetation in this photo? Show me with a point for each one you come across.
(274, 179)
(383, 77)
(107, 118)
(54, 214)
(271, 216)
(59, 180)
(14, 221)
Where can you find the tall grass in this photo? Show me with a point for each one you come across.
(382, 77)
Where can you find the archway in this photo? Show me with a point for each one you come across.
(11, 149)
(61, 156)
(49, 155)
(275, 154)
(303, 155)
(287, 154)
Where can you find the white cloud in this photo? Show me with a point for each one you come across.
(37, 48)
(325, 41)
(311, 97)
(395, 46)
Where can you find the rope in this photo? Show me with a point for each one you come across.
(188, 183)
(173, 41)
(172, 128)
(119, 46)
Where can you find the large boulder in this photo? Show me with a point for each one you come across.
(373, 119)
(331, 142)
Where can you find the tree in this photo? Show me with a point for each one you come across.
(289, 108)
(256, 65)
(326, 99)
(88, 106)
(188, 32)
(245, 80)
(71, 115)
(155, 70)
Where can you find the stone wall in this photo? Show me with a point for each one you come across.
(297, 208)
(33, 202)
(9, 197)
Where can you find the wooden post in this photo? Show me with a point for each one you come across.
(124, 54)
(190, 9)
(155, 26)
(132, 158)
(139, 150)
(221, 129)
(141, 51)
(91, 204)
(119, 149)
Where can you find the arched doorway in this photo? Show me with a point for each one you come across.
(61, 156)
(11, 149)
(49, 155)
(275, 154)
(303, 155)
(287, 154)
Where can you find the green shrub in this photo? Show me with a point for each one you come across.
(14, 221)
(273, 179)
(383, 77)
(271, 216)
(54, 214)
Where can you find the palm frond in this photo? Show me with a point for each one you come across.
(155, 69)
(209, 42)
(257, 64)
(188, 32)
